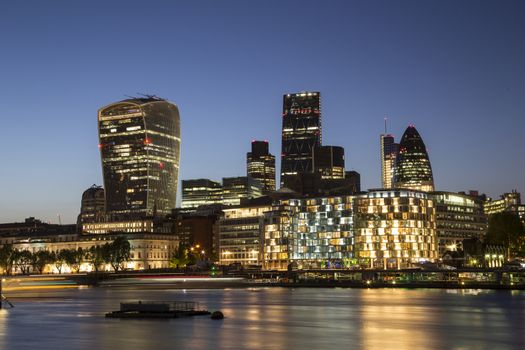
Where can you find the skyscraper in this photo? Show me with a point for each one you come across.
(300, 134)
(140, 151)
(329, 162)
(260, 165)
(389, 150)
(412, 169)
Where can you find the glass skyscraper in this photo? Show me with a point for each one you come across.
(260, 165)
(300, 134)
(389, 150)
(140, 151)
(412, 169)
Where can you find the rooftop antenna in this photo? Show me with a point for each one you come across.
(155, 97)
(386, 118)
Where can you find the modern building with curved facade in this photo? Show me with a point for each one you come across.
(394, 228)
(140, 151)
(92, 208)
(412, 169)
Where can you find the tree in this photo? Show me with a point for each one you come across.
(22, 260)
(7, 255)
(182, 257)
(73, 258)
(507, 230)
(40, 259)
(59, 259)
(119, 251)
(96, 256)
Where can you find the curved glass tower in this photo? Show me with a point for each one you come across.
(140, 151)
(412, 169)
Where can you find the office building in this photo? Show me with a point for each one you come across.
(329, 162)
(412, 169)
(277, 231)
(394, 228)
(389, 151)
(197, 192)
(506, 202)
(236, 188)
(322, 232)
(140, 149)
(354, 180)
(458, 217)
(240, 232)
(260, 165)
(92, 207)
(301, 132)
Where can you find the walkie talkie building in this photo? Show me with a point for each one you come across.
(140, 151)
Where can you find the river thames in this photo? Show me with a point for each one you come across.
(271, 318)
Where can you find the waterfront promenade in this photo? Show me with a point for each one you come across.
(448, 279)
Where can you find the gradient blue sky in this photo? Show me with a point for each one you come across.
(455, 69)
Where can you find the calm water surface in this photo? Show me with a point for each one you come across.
(272, 318)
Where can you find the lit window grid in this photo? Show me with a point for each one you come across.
(408, 239)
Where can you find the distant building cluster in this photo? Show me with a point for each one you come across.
(319, 217)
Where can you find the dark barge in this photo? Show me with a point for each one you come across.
(158, 309)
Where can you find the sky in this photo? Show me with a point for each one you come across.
(454, 69)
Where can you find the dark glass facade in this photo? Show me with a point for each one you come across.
(261, 165)
(140, 151)
(412, 169)
(329, 162)
(236, 188)
(301, 132)
(92, 207)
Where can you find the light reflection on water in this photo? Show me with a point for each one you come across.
(271, 318)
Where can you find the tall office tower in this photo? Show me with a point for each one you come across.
(140, 151)
(261, 165)
(329, 162)
(92, 205)
(236, 188)
(197, 192)
(412, 169)
(389, 150)
(301, 133)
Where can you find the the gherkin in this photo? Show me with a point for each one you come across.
(412, 169)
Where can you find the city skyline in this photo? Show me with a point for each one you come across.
(466, 106)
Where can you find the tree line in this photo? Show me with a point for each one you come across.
(116, 253)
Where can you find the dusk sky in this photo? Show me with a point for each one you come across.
(454, 69)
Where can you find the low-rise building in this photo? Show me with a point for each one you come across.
(240, 234)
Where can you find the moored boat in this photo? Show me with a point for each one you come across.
(158, 309)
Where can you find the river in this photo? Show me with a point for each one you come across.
(271, 318)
